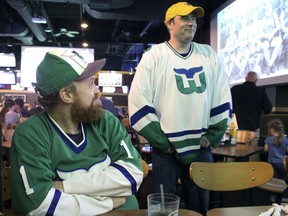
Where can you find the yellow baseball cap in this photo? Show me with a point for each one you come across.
(183, 9)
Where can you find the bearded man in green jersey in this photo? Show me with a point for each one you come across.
(74, 158)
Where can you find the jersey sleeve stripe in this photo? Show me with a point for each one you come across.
(54, 203)
(187, 132)
(220, 109)
(128, 176)
(141, 113)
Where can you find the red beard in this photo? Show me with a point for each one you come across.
(86, 114)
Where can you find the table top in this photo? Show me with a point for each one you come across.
(143, 212)
(239, 211)
(237, 151)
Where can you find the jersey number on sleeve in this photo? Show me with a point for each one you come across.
(25, 181)
(126, 149)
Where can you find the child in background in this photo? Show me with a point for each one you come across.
(276, 145)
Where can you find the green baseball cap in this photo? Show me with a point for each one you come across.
(59, 68)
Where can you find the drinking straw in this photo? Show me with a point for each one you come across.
(162, 195)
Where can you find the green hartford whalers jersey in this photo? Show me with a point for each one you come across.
(104, 164)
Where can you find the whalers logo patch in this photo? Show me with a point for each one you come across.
(191, 80)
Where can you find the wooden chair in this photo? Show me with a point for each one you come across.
(230, 176)
(141, 193)
(8, 131)
(144, 168)
(8, 134)
(245, 136)
(275, 185)
(6, 187)
(125, 122)
(7, 198)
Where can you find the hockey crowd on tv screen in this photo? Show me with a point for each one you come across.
(253, 35)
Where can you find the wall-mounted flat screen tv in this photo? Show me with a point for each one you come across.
(252, 36)
(7, 60)
(7, 78)
(110, 79)
(31, 57)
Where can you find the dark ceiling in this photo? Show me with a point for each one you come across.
(118, 29)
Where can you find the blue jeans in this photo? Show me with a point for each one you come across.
(167, 169)
(279, 171)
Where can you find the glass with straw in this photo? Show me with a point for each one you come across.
(163, 204)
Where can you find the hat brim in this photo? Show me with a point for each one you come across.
(92, 68)
(196, 11)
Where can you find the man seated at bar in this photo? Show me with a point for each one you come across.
(74, 158)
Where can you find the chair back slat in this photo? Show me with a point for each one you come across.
(245, 136)
(230, 176)
(8, 134)
(144, 168)
(6, 184)
(125, 122)
(285, 163)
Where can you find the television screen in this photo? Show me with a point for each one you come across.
(110, 79)
(7, 60)
(8, 78)
(31, 57)
(252, 36)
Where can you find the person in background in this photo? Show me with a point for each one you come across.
(2, 100)
(8, 114)
(34, 110)
(108, 105)
(249, 101)
(276, 144)
(19, 108)
(3, 112)
(180, 102)
(74, 158)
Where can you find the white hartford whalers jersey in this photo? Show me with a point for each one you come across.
(174, 100)
(104, 164)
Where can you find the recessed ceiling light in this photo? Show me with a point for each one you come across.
(84, 25)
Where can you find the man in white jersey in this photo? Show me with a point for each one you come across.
(73, 158)
(180, 102)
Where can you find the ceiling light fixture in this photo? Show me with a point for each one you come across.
(83, 18)
(84, 25)
(85, 44)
